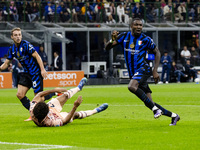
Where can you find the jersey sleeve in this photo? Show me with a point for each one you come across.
(28, 47)
(10, 56)
(31, 49)
(150, 44)
(121, 37)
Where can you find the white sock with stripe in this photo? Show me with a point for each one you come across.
(71, 92)
(87, 113)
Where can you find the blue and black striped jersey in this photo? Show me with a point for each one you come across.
(24, 56)
(135, 50)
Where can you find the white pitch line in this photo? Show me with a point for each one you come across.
(41, 146)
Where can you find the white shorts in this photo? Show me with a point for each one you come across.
(55, 104)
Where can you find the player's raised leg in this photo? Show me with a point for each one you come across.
(82, 83)
(67, 95)
(87, 113)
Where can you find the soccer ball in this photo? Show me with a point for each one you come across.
(196, 80)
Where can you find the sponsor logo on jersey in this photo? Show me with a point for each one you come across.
(133, 51)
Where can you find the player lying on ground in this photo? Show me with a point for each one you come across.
(50, 114)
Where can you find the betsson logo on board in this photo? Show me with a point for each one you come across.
(63, 79)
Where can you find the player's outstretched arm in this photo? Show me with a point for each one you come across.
(40, 95)
(71, 113)
(5, 65)
(156, 64)
(39, 60)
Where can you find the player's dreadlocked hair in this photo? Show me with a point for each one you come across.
(40, 111)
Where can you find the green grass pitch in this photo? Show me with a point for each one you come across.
(126, 124)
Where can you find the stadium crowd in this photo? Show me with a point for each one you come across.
(107, 11)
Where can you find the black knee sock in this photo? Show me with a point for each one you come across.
(49, 96)
(25, 102)
(165, 111)
(141, 95)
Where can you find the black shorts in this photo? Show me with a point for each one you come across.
(142, 76)
(35, 81)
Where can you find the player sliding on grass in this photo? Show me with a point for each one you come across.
(50, 114)
(135, 45)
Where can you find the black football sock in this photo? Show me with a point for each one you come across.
(25, 102)
(165, 111)
(141, 95)
(49, 96)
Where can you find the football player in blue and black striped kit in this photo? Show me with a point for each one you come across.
(34, 71)
(135, 45)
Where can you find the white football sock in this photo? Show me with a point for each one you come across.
(154, 108)
(173, 115)
(87, 113)
(71, 92)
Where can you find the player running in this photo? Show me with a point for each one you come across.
(135, 45)
(50, 115)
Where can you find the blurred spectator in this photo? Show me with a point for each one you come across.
(19, 5)
(168, 12)
(182, 11)
(64, 12)
(113, 12)
(176, 71)
(190, 70)
(80, 4)
(90, 12)
(75, 12)
(127, 8)
(195, 59)
(27, 11)
(109, 13)
(166, 67)
(46, 66)
(158, 11)
(195, 39)
(42, 54)
(185, 55)
(136, 11)
(121, 13)
(57, 9)
(34, 12)
(13, 11)
(57, 62)
(163, 4)
(177, 15)
(191, 10)
(149, 12)
(100, 12)
(49, 12)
